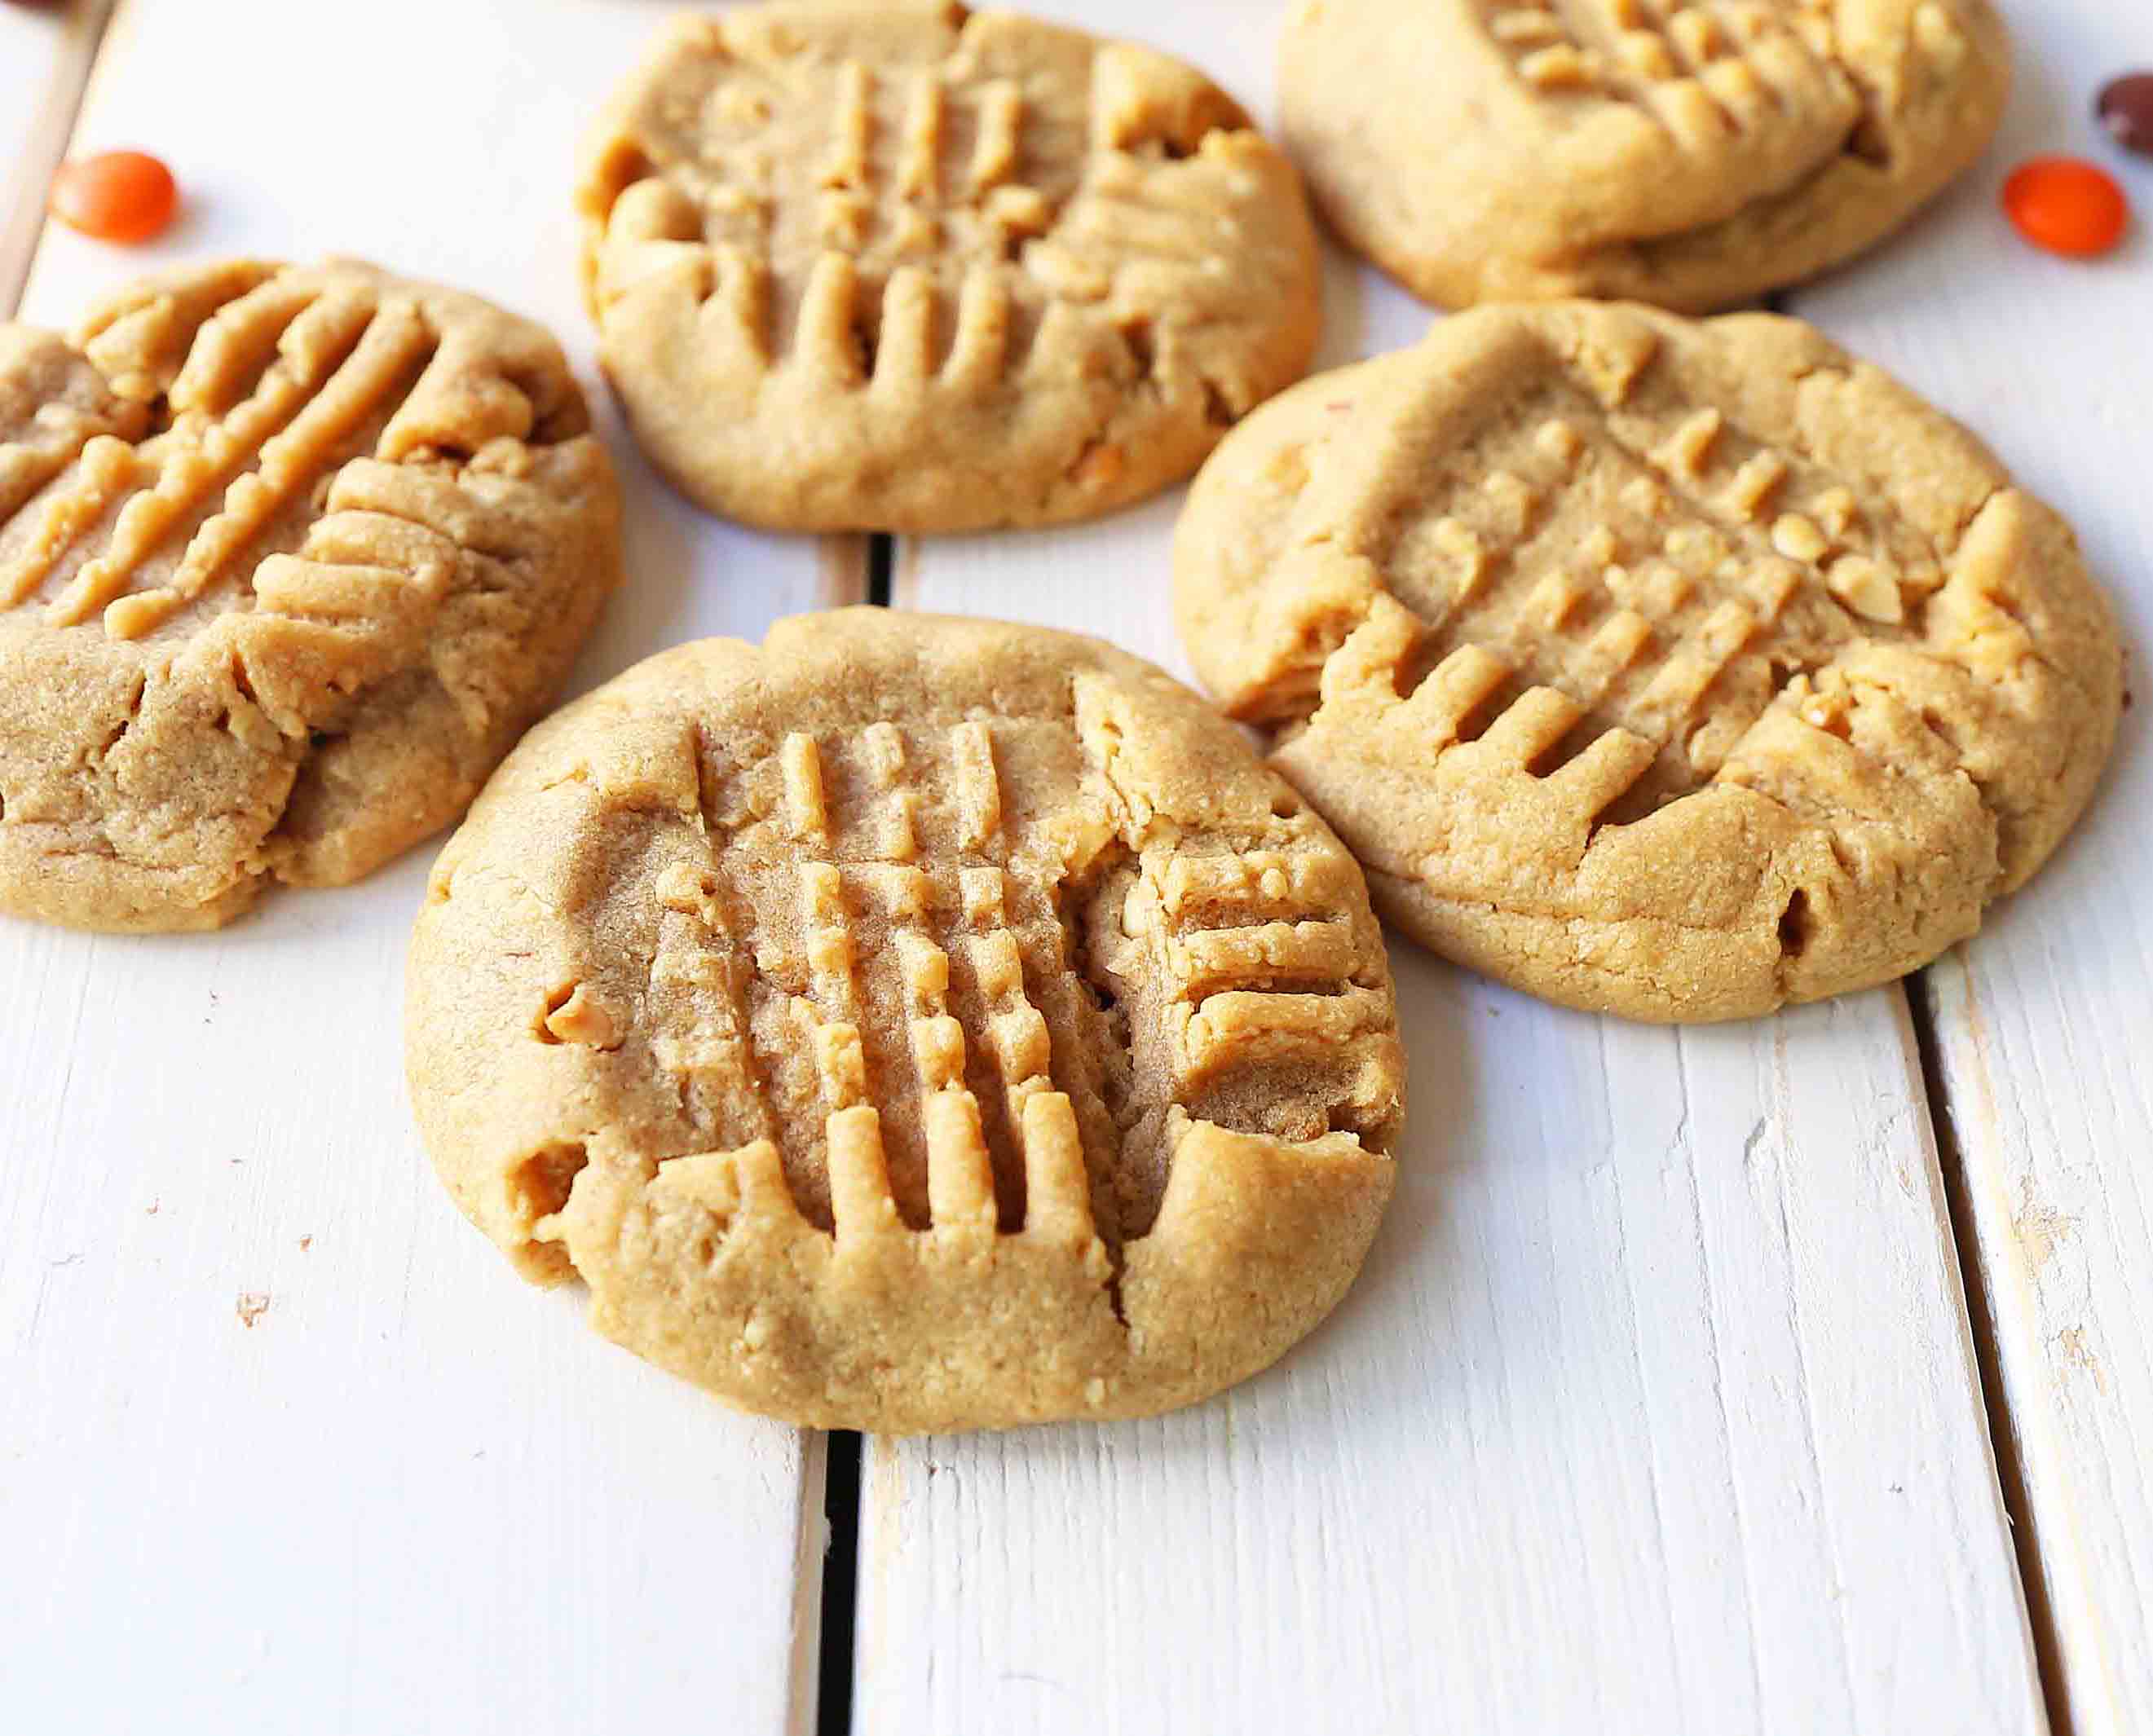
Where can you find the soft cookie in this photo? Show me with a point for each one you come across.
(910, 1024)
(1693, 155)
(1675, 669)
(288, 558)
(905, 267)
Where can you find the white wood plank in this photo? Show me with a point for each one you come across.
(45, 54)
(1654, 1410)
(2043, 1020)
(284, 1445)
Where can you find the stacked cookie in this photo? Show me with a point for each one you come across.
(916, 1023)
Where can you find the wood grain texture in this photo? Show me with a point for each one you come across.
(1655, 1409)
(45, 56)
(284, 1445)
(2042, 1020)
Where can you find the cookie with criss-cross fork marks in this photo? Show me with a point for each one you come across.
(911, 1024)
(906, 268)
(288, 558)
(1670, 669)
(1693, 153)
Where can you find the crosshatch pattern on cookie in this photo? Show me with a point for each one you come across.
(1708, 72)
(264, 521)
(990, 982)
(1074, 258)
(1703, 71)
(282, 441)
(1722, 571)
(1696, 155)
(1703, 68)
(1720, 568)
(882, 256)
(910, 1043)
(1682, 669)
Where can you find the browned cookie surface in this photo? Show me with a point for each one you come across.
(288, 557)
(908, 267)
(911, 1023)
(1675, 668)
(1695, 156)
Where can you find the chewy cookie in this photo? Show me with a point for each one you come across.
(288, 558)
(905, 267)
(1672, 669)
(1692, 155)
(911, 1024)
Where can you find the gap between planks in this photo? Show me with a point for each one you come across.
(843, 1449)
(74, 67)
(2002, 1435)
(1729, 1224)
(1980, 1321)
(823, 1650)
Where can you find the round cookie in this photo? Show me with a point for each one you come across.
(905, 267)
(1666, 669)
(911, 1024)
(1691, 155)
(288, 558)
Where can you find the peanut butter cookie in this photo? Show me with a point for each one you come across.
(911, 1024)
(906, 268)
(1668, 668)
(1692, 154)
(288, 558)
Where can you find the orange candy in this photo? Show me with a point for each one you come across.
(2067, 206)
(122, 195)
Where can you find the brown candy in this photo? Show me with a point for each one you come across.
(2126, 109)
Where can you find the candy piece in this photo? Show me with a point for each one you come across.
(122, 195)
(2067, 206)
(2126, 109)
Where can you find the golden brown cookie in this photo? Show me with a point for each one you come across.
(909, 1024)
(1669, 668)
(1692, 155)
(907, 267)
(288, 557)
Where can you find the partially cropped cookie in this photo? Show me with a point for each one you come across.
(911, 1024)
(288, 558)
(905, 267)
(1691, 156)
(1669, 668)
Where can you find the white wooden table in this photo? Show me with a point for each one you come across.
(1796, 1376)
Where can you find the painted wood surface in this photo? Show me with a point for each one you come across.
(1655, 1409)
(284, 1445)
(45, 55)
(2043, 1020)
